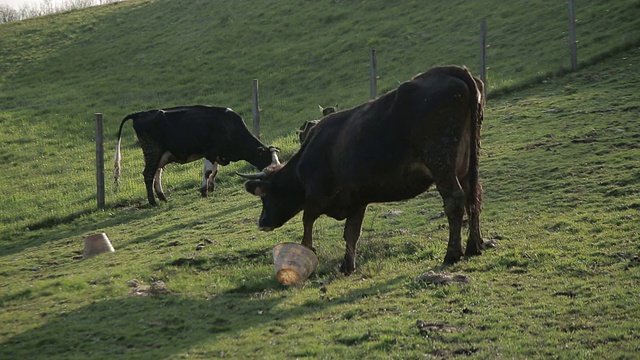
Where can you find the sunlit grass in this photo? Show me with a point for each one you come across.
(558, 169)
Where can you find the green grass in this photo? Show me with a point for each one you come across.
(559, 171)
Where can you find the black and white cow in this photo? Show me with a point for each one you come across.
(188, 133)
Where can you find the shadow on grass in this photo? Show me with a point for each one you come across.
(85, 222)
(48, 230)
(164, 326)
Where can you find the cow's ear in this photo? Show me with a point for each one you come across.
(256, 187)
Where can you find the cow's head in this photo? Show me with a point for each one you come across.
(328, 110)
(280, 200)
(305, 130)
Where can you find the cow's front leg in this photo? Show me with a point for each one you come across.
(208, 177)
(308, 218)
(352, 231)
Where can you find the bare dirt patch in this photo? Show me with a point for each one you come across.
(140, 289)
(440, 278)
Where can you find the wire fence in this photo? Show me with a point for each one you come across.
(294, 79)
(520, 53)
(532, 58)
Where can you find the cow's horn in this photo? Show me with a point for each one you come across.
(274, 155)
(259, 176)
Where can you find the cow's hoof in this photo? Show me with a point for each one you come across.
(451, 259)
(309, 247)
(473, 249)
(346, 270)
(472, 252)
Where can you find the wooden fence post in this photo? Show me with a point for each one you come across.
(572, 35)
(100, 161)
(373, 65)
(483, 53)
(256, 109)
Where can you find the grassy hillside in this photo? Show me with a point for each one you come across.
(559, 170)
(57, 71)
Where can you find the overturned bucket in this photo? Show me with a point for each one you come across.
(293, 262)
(96, 244)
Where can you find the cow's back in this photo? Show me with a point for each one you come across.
(379, 147)
(186, 130)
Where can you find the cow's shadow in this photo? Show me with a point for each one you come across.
(134, 327)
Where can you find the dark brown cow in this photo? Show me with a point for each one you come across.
(393, 148)
(188, 133)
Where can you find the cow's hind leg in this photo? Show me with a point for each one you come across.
(157, 185)
(454, 205)
(473, 206)
(152, 156)
(149, 174)
(352, 231)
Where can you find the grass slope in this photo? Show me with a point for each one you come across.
(559, 170)
(57, 71)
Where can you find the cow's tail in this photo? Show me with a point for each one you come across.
(116, 165)
(477, 102)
